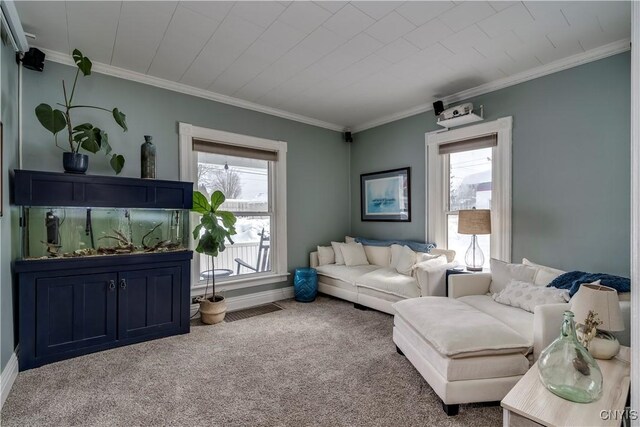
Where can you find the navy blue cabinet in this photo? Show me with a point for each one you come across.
(71, 307)
(148, 301)
(75, 312)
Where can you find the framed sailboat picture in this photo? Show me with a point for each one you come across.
(386, 195)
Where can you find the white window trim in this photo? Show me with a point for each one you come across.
(501, 184)
(188, 157)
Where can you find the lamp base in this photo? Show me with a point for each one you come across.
(604, 345)
(474, 268)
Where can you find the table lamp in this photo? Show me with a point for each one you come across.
(474, 222)
(602, 302)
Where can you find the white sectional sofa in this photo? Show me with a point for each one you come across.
(378, 285)
(481, 356)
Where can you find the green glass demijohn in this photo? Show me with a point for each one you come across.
(567, 369)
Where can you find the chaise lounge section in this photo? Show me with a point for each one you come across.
(470, 348)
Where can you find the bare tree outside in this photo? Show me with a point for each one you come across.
(212, 178)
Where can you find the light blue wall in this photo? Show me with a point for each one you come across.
(9, 219)
(312, 152)
(571, 167)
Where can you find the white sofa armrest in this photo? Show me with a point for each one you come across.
(432, 280)
(461, 285)
(547, 321)
(451, 255)
(313, 260)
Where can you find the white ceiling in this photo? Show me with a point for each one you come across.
(345, 63)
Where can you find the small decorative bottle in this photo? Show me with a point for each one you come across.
(567, 369)
(148, 158)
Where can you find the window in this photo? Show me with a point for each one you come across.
(469, 187)
(470, 168)
(251, 173)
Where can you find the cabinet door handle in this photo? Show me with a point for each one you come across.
(123, 284)
(112, 284)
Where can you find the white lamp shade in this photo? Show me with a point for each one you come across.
(603, 301)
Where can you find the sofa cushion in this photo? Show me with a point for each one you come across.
(389, 281)
(342, 272)
(502, 273)
(544, 275)
(326, 255)
(465, 368)
(517, 319)
(374, 293)
(402, 259)
(337, 249)
(354, 255)
(456, 329)
(378, 255)
(528, 295)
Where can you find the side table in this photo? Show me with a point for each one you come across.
(305, 284)
(458, 270)
(529, 403)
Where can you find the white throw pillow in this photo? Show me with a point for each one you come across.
(337, 250)
(378, 255)
(354, 254)
(326, 255)
(349, 239)
(402, 259)
(436, 261)
(502, 273)
(544, 275)
(528, 296)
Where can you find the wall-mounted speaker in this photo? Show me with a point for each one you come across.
(348, 137)
(438, 107)
(33, 59)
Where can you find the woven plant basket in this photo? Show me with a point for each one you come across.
(213, 312)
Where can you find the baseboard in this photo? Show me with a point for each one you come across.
(7, 377)
(254, 299)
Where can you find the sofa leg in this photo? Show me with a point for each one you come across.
(399, 351)
(450, 410)
(360, 306)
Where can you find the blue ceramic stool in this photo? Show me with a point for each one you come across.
(305, 284)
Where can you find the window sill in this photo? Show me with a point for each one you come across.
(246, 282)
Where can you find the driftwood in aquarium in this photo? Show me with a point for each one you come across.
(125, 246)
(52, 249)
(163, 246)
(144, 243)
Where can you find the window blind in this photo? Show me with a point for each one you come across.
(216, 147)
(484, 141)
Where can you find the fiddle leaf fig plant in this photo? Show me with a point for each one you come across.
(215, 229)
(85, 136)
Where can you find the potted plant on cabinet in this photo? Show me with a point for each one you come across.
(83, 136)
(215, 228)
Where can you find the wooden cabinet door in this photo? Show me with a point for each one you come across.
(148, 301)
(75, 312)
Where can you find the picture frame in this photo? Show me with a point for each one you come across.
(386, 196)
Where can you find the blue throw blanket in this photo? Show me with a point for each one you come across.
(415, 246)
(573, 279)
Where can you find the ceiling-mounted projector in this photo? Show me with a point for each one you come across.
(457, 111)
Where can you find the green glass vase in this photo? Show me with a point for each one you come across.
(567, 369)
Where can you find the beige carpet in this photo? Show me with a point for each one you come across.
(317, 364)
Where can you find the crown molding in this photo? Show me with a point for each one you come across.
(543, 70)
(110, 70)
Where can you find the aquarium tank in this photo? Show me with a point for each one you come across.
(68, 232)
